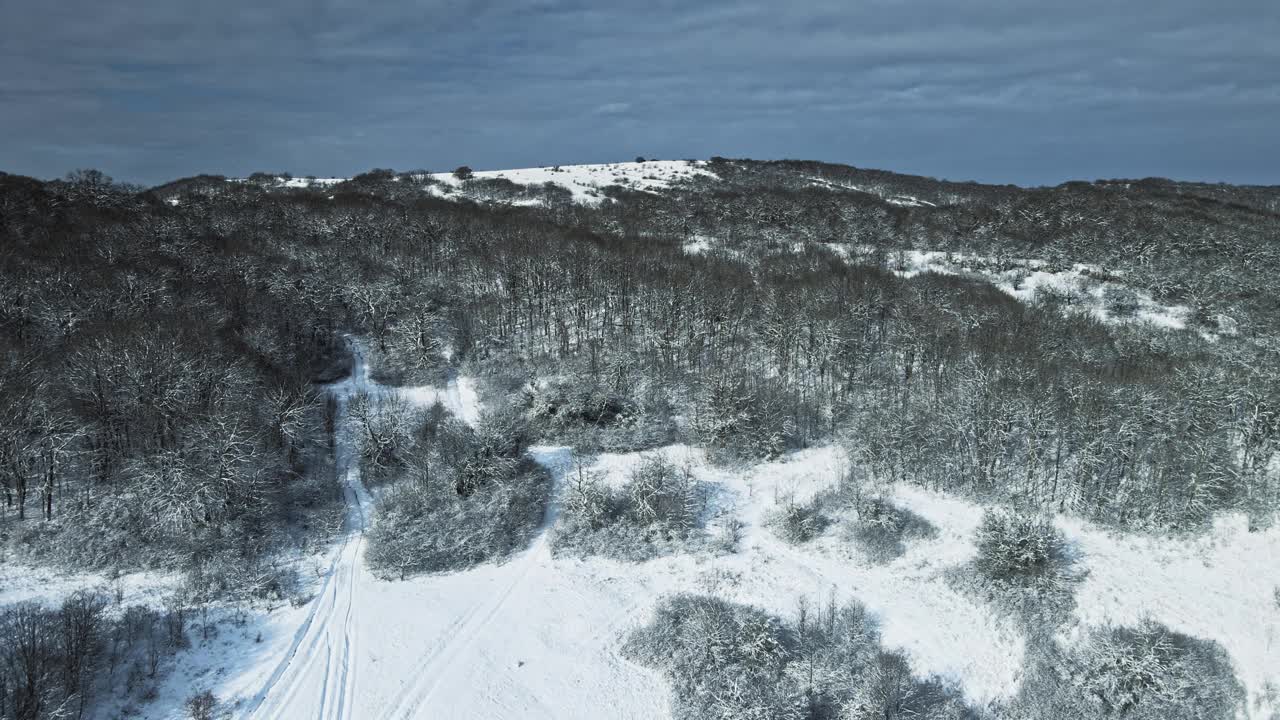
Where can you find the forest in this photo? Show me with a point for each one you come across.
(163, 353)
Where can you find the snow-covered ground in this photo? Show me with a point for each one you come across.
(458, 396)
(1081, 287)
(892, 199)
(312, 182)
(586, 181)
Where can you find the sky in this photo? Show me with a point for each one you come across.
(990, 90)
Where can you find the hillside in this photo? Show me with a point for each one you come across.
(688, 439)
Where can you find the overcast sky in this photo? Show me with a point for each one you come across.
(992, 90)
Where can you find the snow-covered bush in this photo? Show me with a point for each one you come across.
(728, 534)
(1147, 672)
(655, 512)
(723, 660)
(881, 528)
(728, 661)
(474, 497)
(1120, 302)
(1018, 549)
(411, 348)
(595, 416)
(1023, 567)
(202, 705)
(384, 433)
(799, 522)
(660, 493)
(429, 527)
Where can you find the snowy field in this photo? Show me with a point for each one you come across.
(1084, 287)
(586, 181)
(1079, 288)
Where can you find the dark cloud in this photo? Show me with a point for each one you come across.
(994, 90)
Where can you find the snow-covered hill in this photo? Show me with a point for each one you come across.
(586, 182)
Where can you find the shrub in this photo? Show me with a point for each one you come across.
(1121, 302)
(475, 498)
(594, 416)
(429, 527)
(463, 173)
(799, 522)
(1140, 673)
(385, 431)
(202, 705)
(656, 511)
(741, 419)
(731, 661)
(723, 660)
(880, 528)
(55, 660)
(1022, 566)
(1018, 549)
(729, 534)
(662, 494)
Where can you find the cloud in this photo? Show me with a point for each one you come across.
(1000, 90)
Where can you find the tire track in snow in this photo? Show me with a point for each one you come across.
(299, 677)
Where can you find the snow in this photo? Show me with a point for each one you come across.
(586, 181)
(506, 640)
(697, 244)
(23, 583)
(899, 200)
(1083, 287)
(310, 182)
(232, 660)
(458, 396)
(943, 632)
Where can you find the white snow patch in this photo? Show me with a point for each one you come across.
(893, 199)
(458, 396)
(310, 182)
(697, 244)
(587, 181)
(1080, 287)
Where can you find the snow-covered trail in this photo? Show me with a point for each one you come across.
(318, 675)
(528, 638)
